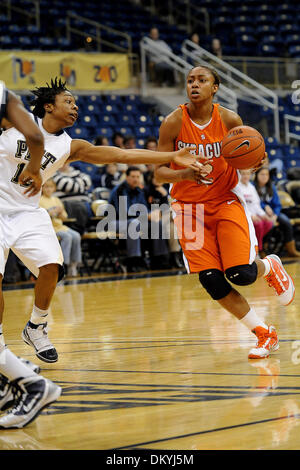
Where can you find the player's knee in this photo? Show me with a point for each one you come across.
(242, 275)
(213, 280)
(50, 272)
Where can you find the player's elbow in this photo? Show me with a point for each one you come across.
(158, 174)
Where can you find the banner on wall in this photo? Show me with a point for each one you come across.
(22, 70)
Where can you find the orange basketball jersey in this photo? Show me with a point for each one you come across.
(220, 178)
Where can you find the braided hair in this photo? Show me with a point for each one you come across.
(47, 94)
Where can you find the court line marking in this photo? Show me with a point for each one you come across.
(225, 428)
(170, 372)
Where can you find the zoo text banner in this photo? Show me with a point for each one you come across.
(22, 70)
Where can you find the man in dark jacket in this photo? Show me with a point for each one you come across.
(129, 199)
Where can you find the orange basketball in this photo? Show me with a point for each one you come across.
(243, 147)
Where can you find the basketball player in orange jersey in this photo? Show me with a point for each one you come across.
(229, 244)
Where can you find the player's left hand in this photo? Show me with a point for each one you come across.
(264, 162)
(32, 179)
(185, 159)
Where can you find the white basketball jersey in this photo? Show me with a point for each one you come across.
(14, 155)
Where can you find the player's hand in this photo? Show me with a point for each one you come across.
(184, 158)
(264, 162)
(32, 179)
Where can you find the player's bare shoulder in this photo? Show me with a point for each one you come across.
(230, 118)
(172, 123)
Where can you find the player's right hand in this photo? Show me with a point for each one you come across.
(32, 179)
(185, 159)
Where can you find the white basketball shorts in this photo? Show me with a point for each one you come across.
(31, 236)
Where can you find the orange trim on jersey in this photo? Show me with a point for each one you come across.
(220, 178)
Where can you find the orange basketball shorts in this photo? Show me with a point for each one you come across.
(215, 235)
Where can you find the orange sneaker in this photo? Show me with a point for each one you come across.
(280, 280)
(267, 341)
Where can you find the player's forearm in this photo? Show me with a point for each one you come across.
(103, 154)
(163, 174)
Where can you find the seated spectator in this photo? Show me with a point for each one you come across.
(130, 143)
(271, 203)
(156, 193)
(110, 176)
(261, 221)
(101, 140)
(216, 47)
(130, 188)
(72, 187)
(160, 71)
(195, 39)
(150, 144)
(69, 239)
(118, 140)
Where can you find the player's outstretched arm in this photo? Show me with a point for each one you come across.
(19, 117)
(86, 152)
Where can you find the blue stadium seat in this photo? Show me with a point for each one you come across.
(107, 120)
(265, 19)
(106, 131)
(126, 120)
(143, 132)
(294, 51)
(241, 20)
(143, 120)
(125, 130)
(263, 29)
(284, 18)
(288, 29)
(111, 109)
(268, 51)
(292, 39)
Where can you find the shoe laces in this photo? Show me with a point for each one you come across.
(262, 338)
(18, 398)
(274, 282)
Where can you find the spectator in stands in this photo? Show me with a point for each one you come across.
(101, 140)
(69, 239)
(150, 144)
(130, 188)
(216, 47)
(159, 69)
(130, 143)
(156, 193)
(195, 39)
(270, 202)
(261, 220)
(118, 140)
(110, 176)
(72, 187)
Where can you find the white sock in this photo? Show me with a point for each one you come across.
(38, 315)
(251, 320)
(267, 266)
(12, 367)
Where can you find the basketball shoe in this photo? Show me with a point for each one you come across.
(37, 336)
(6, 390)
(32, 395)
(280, 280)
(267, 341)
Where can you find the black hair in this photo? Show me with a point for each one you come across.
(46, 94)
(151, 138)
(99, 140)
(132, 168)
(211, 70)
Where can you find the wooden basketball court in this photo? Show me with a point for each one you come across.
(153, 363)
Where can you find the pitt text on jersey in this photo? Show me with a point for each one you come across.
(210, 150)
(23, 154)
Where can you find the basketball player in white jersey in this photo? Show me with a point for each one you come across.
(20, 387)
(27, 229)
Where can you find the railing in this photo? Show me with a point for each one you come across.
(99, 28)
(288, 134)
(148, 47)
(35, 16)
(184, 14)
(245, 87)
(272, 72)
(72, 21)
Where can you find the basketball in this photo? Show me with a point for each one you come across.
(243, 147)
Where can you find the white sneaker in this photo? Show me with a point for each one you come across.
(267, 341)
(280, 280)
(37, 336)
(32, 395)
(6, 393)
